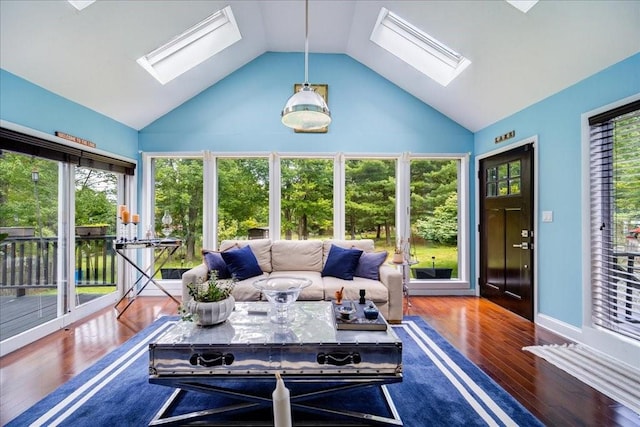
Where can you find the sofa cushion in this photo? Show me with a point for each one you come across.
(341, 263)
(296, 255)
(214, 261)
(365, 245)
(245, 291)
(242, 263)
(369, 264)
(261, 248)
(313, 292)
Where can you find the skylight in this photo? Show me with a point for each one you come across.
(81, 4)
(522, 5)
(417, 48)
(194, 46)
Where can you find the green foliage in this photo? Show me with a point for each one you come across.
(307, 197)
(370, 196)
(212, 290)
(18, 193)
(243, 196)
(442, 226)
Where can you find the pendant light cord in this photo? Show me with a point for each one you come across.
(306, 43)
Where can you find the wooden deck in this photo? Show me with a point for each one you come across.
(19, 314)
(485, 333)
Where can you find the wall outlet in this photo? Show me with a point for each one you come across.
(547, 216)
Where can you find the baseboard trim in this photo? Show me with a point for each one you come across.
(563, 329)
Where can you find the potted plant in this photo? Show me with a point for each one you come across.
(211, 301)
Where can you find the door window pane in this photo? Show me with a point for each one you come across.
(434, 218)
(243, 198)
(29, 253)
(307, 198)
(370, 208)
(514, 169)
(96, 200)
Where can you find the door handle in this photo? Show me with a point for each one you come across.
(523, 245)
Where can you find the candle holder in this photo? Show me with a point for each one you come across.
(134, 224)
(123, 230)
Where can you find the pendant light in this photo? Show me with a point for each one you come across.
(306, 110)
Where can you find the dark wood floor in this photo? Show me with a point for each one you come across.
(487, 334)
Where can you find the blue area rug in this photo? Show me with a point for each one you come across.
(440, 387)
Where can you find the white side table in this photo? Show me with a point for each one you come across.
(405, 268)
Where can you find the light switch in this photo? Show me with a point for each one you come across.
(547, 216)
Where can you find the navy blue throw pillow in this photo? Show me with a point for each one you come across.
(242, 263)
(341, 263)
(369, 264)
(214, 261)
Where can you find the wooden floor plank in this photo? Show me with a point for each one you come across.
(486, 334)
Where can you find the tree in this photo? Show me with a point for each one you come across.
(442, 226)
(179, 192)
(307, 197)
(370, 197)
(243, 195)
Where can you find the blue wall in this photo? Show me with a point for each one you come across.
(242, 113)
(31, 106)
(370, 114)
(557, 122)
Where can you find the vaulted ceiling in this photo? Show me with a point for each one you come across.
(89, 56)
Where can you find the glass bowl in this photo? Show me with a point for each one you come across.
(281, 292)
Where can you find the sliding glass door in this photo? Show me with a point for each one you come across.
(29, 287)
(96, 198)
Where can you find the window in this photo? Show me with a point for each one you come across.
(192, 47)
(434, 218)
(421, 200)
(370, 201)
(178, 193)
(243, 198)
(615, 219)
(417, 48)
(306, 198)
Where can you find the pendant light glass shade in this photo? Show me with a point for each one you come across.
(306, 110)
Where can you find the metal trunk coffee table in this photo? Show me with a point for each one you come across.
(240, 358)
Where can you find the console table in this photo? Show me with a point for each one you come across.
(165, 246)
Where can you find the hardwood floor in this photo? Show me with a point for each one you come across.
(485, 333)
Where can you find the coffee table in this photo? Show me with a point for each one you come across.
(240, 357)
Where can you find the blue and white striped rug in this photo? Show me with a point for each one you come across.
(440, 387)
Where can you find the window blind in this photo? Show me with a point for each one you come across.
(34, 146)
(615, 219)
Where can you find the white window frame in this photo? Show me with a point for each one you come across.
(458, 286)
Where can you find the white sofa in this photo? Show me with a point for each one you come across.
(306, 258)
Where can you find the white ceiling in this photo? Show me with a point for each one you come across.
(517, 59)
